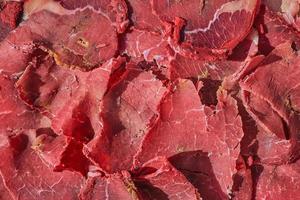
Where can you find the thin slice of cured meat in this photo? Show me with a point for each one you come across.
(71, 100)
(60, 152)
(288, 9)
(279, 182)
(270, 95)
(197, 168)
(158, 179)
(272, 150)
(243, 183)
(113, 10)
(243, 56)
(143, 17)
(170, 135)
(126, 119)
(115, 187)
(273, 30)
(208, 22)
(28, 177)
(10, 15)
(75, 44)
(14, 115)
(4, 192)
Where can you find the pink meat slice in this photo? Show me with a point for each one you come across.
(208, 22)
(269, 90)
(158, 179)
(126, 119)
(28, 177)
(115, 187)
(175, 130)
(270, 183)
(10, 14)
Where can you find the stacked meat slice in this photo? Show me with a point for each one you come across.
(149, 99)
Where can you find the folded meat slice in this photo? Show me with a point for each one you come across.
(10, 15)
(26, 175)
(4, 192)
(115, 187)
(270, 95)
(113, 10)
(279, 182)
(128, 110)
(158, 179)
(208, 22)
(271, 149)
(214, 130)
(273, 30)
(71, 100)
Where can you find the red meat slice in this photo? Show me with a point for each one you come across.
(208, 22)
(175, 130)
(113, 10)
(287, 9)
(197, 168)
(4, 192)
(269, 90)
(279, 182)
(28, 177)
(273, 31)
(14, 115)
(142, 16)
(158, 179)
(126, 118)
(71, 99)
(10, 14)
(271, 149)
(115, 187)
(61, 153)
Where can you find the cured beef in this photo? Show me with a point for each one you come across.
(138, 99)
(28, 177)
(274, 95)
(158, 179)
(121, 136)
(170, 136)
(10, 15)
(270, 184)
(116, 186)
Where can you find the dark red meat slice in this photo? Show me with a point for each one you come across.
(28, 177)
(268, 92)
(126, 118)
(197, 168)
(279, 182)
(175, 130)
(158, 179)
(10, 15)
(115, 187)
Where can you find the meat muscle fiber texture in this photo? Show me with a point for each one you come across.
(149, 99)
